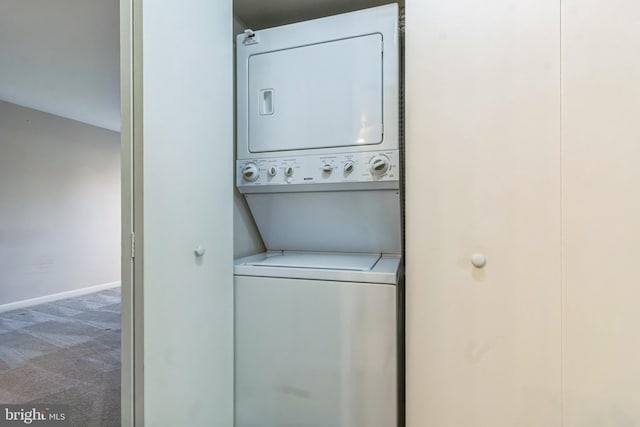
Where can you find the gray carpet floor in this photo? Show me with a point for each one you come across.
(65, 352)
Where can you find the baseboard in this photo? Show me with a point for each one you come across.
(53, 297)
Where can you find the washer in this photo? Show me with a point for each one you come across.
(316, 340)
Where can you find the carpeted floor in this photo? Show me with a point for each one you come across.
(65, 352)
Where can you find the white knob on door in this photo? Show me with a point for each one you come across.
(478, 260)
(199, 251)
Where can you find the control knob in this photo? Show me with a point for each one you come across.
(288, 171)
(250, 172)
(379, 165)
(327, 168)
(273, 171)
(348, 167)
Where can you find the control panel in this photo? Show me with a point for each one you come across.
(359, 167)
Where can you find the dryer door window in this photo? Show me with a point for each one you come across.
(317, 96)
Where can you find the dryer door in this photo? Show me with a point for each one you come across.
(316, 96)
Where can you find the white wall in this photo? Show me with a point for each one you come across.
(60, 204)
(183, 92)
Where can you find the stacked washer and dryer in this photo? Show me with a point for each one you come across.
(316, 315)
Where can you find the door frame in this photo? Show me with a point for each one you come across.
(131, 181)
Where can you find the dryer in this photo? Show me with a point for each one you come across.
(324, 86)
(319, 164)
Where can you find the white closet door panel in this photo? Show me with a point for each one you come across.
(601, 226)
(184, 119)
(483, 175)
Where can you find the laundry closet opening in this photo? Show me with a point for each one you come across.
(318, 214)
(60, 215)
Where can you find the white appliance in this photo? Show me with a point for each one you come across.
(319, 165)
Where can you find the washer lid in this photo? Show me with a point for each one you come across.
(350, 262)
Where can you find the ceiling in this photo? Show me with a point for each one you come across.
(62, 56)
(258, 14)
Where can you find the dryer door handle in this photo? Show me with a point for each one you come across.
(266, 102)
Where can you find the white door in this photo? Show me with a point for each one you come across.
(601, 221)
(312, 353)
(483, 176)
(183, 181)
